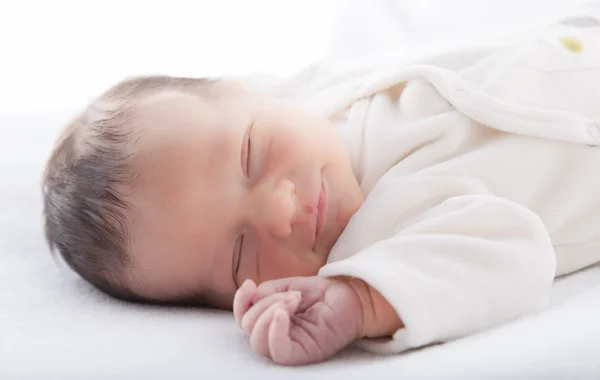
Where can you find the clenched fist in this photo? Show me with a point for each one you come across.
(300, 320)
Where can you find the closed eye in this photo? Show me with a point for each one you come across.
(237, 268)
(237, 259)
(246, 151)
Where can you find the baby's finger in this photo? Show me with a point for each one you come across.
(290, 345)
(271, 287)
(259, 339)
(249, 319)
(280, 345)
(243, 300)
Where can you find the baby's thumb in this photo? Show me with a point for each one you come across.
(242, 301)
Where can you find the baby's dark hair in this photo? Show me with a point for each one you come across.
(89, 175)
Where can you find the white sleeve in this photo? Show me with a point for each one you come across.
(469, 263)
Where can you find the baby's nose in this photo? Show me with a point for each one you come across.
(281, 208)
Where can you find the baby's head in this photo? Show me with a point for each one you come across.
(175, 190)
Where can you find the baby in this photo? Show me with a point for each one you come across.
(394, 207)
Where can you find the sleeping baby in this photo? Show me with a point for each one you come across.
(392, 207)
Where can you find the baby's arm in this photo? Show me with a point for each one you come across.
(462, 260)
(309, 319)
(379, 317)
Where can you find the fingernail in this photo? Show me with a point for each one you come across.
(247, 284)
(296, 294)
(292, 298)
(243, 323)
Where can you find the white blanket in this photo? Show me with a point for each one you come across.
(54, 326)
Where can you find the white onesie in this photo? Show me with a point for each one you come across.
(481, 171)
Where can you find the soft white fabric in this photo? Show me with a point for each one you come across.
(480, 168)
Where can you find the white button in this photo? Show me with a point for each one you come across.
(594, 130)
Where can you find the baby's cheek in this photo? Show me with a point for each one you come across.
(271, 263)
(286, 263)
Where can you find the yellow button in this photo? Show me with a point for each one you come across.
(572, 44)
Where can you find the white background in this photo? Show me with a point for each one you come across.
(59, 53)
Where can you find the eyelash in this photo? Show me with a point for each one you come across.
(239, 255)
(246, 150)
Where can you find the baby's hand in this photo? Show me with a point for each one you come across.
(299, 320)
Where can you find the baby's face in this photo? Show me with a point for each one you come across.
(233, 189)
